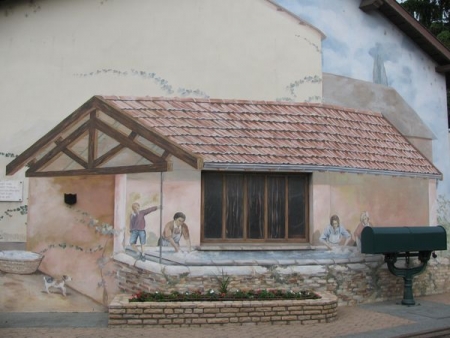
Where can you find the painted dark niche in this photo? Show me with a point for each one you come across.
(70, 199)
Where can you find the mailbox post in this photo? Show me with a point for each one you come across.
(407, 242)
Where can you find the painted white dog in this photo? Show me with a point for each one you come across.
(58, 283)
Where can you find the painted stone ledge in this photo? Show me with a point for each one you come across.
(122, 313)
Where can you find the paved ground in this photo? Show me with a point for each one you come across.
(89, 319)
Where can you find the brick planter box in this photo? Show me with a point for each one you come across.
(122, 313)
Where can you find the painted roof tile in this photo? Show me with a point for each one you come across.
(261, 133)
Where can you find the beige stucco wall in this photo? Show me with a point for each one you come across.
(60, 53)
(224, 49)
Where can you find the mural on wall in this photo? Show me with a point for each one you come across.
(335, 234)
(137, 227)
(174, 231)
(13, 218)
(170, 236)
(367, 200)
(379, 71)
(104, 233)
(162, 196)
(378, 52)
(76, 240)
(143, 191)
(56, 283)
(10, 221)
(147, 71)
(364, 222)
(163, 84)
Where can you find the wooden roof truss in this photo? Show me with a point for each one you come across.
(96, 139)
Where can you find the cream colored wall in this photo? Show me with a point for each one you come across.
(57, 54)
(390, 200)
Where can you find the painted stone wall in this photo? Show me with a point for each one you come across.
(75, 240)
(354, 280)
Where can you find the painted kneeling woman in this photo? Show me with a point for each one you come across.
(173, 231)
(335, 234)
(364, 222)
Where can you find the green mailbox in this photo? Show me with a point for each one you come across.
(381, 240)
(404, 242)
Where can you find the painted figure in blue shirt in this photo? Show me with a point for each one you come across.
(335, 233)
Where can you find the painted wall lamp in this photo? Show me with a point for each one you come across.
(70, 199)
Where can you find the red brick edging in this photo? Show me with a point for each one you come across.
(183, 314)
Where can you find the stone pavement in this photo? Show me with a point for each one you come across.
(384, 319)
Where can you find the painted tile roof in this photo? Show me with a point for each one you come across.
(240, 134)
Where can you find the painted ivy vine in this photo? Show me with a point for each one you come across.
(8, 155)
(307, 79)
(152, 76)
(22, 210)
(101, 228)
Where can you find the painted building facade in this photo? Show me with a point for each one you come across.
(247, 50)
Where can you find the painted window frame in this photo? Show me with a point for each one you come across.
(219, 196)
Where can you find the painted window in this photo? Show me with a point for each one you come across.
(256, 207)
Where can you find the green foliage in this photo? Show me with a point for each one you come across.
(224, 282)
(444, 37)
(428, 12)
(433, 14)
(212, 295)
(436, 28)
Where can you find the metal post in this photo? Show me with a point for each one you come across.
(408, 298)
(160, 215)
(407, 273)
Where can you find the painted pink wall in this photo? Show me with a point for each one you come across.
(181, 191)
(76, 240)
(390, 200)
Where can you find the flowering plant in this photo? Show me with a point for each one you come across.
(213, 295)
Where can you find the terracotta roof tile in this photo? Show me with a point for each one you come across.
(261, 133)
